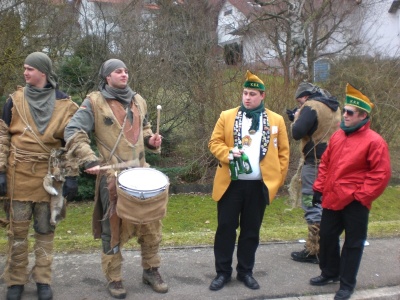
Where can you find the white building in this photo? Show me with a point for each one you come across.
(233, 19)
(382, 29)
(379, 31)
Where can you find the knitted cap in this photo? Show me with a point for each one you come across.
(355, 98)
(305, 89)
(253, 82)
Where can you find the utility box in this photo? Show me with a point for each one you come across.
(321, 70)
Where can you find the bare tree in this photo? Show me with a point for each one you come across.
(300, 32)
(32, 25)
(168, 46)
(170, 51)
(379, 79)
(11, 55)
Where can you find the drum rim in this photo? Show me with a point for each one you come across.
(145, 191)
(161, 188)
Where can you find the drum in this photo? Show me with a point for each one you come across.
(142, 195)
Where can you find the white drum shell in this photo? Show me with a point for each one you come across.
(142, 183)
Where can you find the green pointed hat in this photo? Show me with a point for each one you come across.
(355, 98)
(253, 82)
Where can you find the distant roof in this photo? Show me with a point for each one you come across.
(216, 2)
(245, 6)
(151, 6)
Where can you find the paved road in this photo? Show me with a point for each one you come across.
(190, 270)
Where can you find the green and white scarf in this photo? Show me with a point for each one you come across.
(255, 116)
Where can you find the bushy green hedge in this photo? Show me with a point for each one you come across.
(86, 185)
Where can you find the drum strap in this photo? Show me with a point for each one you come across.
(119, 136)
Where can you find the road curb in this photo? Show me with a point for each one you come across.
(385, 293)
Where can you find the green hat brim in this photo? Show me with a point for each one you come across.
(254, 85)
(357, 103)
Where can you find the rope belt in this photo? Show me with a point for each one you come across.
(28, 156)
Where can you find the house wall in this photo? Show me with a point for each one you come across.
(382, 30)
(89, 12)
(229, 19)
(257, 51)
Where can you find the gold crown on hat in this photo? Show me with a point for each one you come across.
(253, 82)
(355, 98)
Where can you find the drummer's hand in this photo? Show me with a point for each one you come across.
(94, 170)
(155, 140)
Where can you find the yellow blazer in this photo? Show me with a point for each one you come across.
(273, 166)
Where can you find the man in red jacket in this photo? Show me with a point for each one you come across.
(354, 171)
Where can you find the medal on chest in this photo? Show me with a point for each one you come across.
(246, 140)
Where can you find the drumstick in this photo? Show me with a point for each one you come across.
(125, 164)
(158, 119)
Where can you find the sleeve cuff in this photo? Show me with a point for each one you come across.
(91, 164)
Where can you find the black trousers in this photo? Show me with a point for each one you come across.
(353, 220)
(243, 204)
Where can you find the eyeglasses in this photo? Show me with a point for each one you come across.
(348, 112)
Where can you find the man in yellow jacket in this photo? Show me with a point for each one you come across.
(263, 137)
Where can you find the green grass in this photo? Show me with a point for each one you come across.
(191, 221)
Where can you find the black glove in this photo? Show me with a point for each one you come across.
(317, 198)
(70, 188)
(91, 164)
(291, 113)
(3, 184)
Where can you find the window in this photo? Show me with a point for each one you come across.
(228, 12)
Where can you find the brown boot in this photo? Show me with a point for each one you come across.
(116, 289)
(153, 278)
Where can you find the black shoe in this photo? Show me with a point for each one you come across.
(44, 291)
(343, 295)
(14, 292)
(248, 281)
(322, 280)
(219, 282)
(304, 256)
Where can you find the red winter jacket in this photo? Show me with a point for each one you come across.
(353, 167)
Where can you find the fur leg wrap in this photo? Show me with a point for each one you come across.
(16, 272)
(111, 265)
(312, 243)
(44, 257)
(149, 238)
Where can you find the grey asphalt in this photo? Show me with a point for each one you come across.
(189, 271)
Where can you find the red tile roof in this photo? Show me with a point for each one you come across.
(242, 6)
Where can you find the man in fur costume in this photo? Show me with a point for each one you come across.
(117, 116)
(31, 132)
(314, 121)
